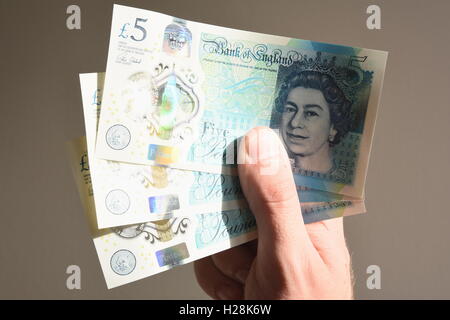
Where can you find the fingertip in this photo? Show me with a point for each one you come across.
(268, 185)
(260, 146)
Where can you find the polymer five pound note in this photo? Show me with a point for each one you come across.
(127, 193)
(132, 252)
(157, 172)
(181, 94)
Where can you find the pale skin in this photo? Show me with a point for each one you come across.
(289, 260)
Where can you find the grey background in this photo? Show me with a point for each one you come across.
(405, 231)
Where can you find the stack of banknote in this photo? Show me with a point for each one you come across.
(157, 168)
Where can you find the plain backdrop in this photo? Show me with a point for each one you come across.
(43, 230)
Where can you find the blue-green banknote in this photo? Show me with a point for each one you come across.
(127, 193)
(132, 252)
(182, 94)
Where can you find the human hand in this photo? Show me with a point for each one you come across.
(289, 260)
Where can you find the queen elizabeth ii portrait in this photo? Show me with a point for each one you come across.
(314, 116)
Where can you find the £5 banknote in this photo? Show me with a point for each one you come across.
(127, 193)
(181, 94)
(132, 252)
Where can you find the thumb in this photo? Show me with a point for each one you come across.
(268, 185)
